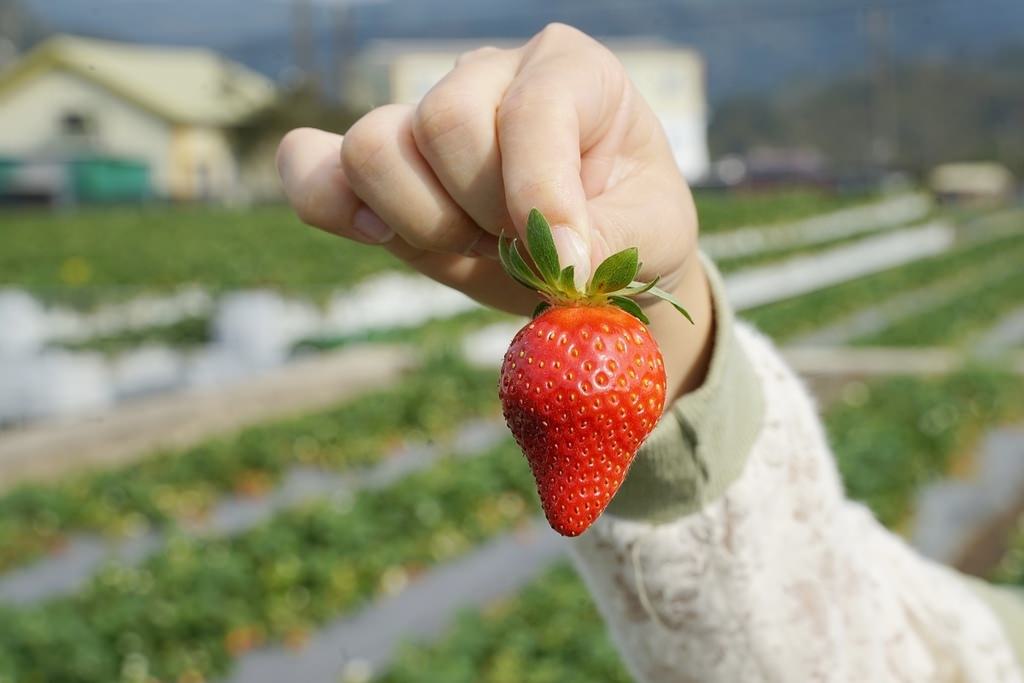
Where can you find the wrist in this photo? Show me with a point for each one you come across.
(685, 347)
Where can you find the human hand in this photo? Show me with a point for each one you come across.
(555, 125)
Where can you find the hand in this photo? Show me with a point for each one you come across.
(555, 124)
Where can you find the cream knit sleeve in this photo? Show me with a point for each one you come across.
(731, 554)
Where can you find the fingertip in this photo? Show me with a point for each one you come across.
(302, 143)
(573, 250)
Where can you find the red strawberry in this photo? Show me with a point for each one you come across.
(582, 384)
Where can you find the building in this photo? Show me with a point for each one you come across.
(114, 116)
(978, 182)
(670, 77)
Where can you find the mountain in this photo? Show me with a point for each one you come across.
(749, 45)
(907, 118)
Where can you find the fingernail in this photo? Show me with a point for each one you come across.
(572, 251)
(370, 226)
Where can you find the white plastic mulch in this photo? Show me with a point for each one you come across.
(888, 213)
(802, 274)
(252, 331)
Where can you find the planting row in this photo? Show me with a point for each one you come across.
(998, 289)
(1011, 567)
(426, 405)
(188, 610)
(95, 255)
(550, 632)
(92, 256)
(790, 317)
(889, 438)
(761, 258)
(194, 605)
(721, 211)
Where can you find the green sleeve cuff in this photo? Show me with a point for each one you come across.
(701, 444)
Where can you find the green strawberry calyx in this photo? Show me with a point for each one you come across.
(612, 283)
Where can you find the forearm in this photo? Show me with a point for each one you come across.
(732, 554)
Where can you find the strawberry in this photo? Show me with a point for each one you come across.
(583, 383)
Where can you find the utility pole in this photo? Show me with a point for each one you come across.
(303, 38)
(343, 47)
(882, 134)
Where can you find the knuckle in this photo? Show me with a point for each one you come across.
(444, 233)
(557, 31)
(478, 53)
(527, 96)
(363, 152)
(439, 115)
(547, 191)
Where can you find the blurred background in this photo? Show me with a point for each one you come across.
(236, 449)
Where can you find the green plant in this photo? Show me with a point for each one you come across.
(999, 288)
(187, 611)
(549, 632)
(785, 319)
(96, 255)
(176, 485)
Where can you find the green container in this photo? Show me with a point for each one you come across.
(101, 180)
(8, 167)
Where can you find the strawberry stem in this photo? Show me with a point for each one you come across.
(613, 282)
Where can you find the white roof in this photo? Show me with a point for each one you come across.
(180, 84)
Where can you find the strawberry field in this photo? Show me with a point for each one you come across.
(184, 564)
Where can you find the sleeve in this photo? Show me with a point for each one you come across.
(730, 553)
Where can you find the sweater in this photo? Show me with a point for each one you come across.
(730, 553)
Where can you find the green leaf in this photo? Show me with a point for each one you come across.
(636, 288)
(567, 280)
(616, 271)
(542, 246)
(629, 306)
(513, 263)
(662, 294)
(541, 307)
(519, 263)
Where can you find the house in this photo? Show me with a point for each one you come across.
(978, 182)
(671, 78)
(83, 113)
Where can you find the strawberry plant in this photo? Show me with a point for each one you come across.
(426, 405)
(787, 318)
(998, 289)
(184, 609)
(549, 632)
(721, 211)
(893, 436)
(95, 255)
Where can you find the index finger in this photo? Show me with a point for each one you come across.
(563, 100)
